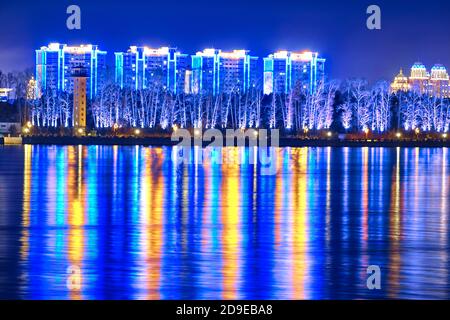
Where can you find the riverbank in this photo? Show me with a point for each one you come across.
(284, 142)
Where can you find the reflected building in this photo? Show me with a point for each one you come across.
(144, 67)
(285, 70)
(215, 71)
(55, 64)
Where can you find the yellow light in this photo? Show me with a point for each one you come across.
(116, 126)
(80, 130)
(366, 130)
(417, 130)
(398, 135)
(197, 132)
(305, 130)
(444, 136)
(175, 128)
(26, 130)
(29, 124)
(255, 133)
(137, 132)
(329, 133)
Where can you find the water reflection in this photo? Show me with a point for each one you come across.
(140, 226)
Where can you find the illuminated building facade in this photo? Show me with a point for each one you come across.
(436, 83)
(55, 63)
(79, 76)
(143, 67)
(400, 83)
(215, 71)
(439, 85)
(419, 78)
(284, 70)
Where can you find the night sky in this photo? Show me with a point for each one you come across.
(411, 30)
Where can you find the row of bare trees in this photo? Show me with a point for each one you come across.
(378, 109)
(353, 105)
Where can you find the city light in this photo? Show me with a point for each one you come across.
(444, 136)
(398, 135)
(329, 134)
(421, 81)
(137, 132)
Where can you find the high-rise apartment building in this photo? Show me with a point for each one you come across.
(439, 84)
(284, 70)
(419, 78)
(144, 67)
(215, 71)
(55, 62)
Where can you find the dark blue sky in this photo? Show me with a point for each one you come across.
(411, 29)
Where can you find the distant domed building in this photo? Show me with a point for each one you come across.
(418, 79)
(419, 71)
(401, 83)
(439, 85)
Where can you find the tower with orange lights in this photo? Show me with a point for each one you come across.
(79, 76)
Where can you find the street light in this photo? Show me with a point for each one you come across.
(444, 136)
(137, 132)
(329, 134)
(398, 135)
(29, 124)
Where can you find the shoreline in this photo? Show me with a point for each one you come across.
(283, 142)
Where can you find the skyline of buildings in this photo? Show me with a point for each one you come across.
(211, 71)
(435, 83)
